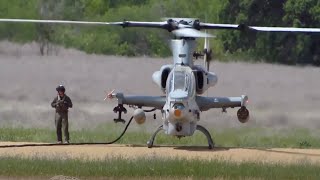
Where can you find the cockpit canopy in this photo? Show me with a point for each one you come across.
(181, 83)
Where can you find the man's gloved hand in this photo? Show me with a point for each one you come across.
(59, 103)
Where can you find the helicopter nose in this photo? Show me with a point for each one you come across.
(177, 111)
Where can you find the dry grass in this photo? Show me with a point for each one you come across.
(154, 168)
(280, 96)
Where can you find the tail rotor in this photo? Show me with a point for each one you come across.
(207, 53)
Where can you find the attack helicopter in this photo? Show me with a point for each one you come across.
(183, 83)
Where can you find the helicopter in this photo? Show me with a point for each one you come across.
(182, 83)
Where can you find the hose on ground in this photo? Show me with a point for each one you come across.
(71, 144)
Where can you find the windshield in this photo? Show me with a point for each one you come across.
(180, 80)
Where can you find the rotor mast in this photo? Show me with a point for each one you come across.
(182, 51)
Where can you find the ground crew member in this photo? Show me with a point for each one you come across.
(62, 103)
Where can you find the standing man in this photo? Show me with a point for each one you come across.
(62, 103)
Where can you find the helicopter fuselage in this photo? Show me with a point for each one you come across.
(181, 82)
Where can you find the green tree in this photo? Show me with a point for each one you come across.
(287, 48)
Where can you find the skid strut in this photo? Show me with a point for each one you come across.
(150, 142)
(207, 134)
(199, 128)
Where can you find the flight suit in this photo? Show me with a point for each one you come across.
(62, 104)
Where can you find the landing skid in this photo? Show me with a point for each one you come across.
(199, 128)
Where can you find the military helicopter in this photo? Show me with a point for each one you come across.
(183, 83)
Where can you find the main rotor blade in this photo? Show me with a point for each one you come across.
(53, 21)
(284, 29)
(123, 24)
(190, 32)
(218, 26)
(258, 28)
(180, 31)
(163, 24)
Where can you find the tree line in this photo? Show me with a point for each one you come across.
(284, 48)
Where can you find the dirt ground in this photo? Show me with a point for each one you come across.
(101, 152)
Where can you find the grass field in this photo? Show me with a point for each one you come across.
(229, 137)
(284, 105)
(162, 168)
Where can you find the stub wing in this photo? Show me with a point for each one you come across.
(206, 103)
(141, 101)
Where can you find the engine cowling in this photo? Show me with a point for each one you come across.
(243, 115)
(204, 80)
(160, 77)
